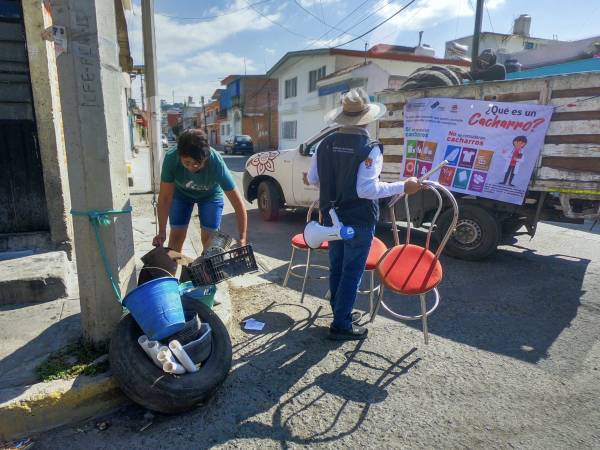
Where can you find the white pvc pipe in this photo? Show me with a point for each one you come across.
(173, 367)
(151, 349)
(182, 356)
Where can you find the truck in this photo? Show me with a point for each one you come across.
(564, 186)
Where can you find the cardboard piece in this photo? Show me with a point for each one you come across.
(161, 261)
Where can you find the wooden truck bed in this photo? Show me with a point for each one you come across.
(569, 163)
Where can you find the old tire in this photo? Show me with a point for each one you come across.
(476, 236)
(269, 201)
(149, 386)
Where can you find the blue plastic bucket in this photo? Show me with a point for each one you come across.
(156, 307)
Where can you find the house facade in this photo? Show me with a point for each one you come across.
(310, 82)
(249, 106)
(211, 120)
(504, 44)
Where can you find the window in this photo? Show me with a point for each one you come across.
(289, 129)
(222, 129)
(314, 76)
(291, 87)
(529, 45)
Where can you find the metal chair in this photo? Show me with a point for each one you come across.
(298, 243)
(412, 270)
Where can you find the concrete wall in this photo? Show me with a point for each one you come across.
(44, 83)
(503, 43)
(304, 108)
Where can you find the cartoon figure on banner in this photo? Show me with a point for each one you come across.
(264, 162)
(513, 159)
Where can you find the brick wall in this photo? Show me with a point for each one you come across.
(260, 102)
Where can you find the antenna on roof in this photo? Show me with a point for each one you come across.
(420, 37)
(366, 45)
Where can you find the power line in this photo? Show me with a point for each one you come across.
(489, 17)
(342, 19)
(283, 27)
(315, 16)
(207, 18)
(358, 23)
(378, 25)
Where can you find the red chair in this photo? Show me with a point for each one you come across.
(412, 270)
(378, 249)
(298, 243)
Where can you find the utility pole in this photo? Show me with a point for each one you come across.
(91, 95)
(153, 101)
(476, 34)
(142, 92)
(204, 116)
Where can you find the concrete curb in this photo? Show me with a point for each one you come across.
(43, 406)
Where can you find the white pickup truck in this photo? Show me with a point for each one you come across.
(564, 187)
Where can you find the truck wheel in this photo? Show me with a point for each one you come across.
(269, 201)
(149, 386)
(476, 236)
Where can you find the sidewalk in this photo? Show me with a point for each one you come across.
(29, 333)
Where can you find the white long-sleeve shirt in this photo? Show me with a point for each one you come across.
(368, 185)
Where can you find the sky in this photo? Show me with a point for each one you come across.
(201, 42)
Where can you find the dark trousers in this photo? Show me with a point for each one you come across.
(347, 261)
(510, 174)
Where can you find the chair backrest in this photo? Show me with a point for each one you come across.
(313, 206)
(441, 193)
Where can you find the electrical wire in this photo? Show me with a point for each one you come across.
(361, 21)
(315, 16)
(378, 25)
(207, 18)
(283, 27)
(342, 20)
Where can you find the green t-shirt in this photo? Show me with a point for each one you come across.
(208, 183)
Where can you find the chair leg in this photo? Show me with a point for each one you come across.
(287, 274)
(371, 291)
(424, 318)
(305, 276)
(377, 305)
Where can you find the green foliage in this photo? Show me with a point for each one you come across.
(74, 360)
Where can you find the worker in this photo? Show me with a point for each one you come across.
(346, 166)
(194, 173)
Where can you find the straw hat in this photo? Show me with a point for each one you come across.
(356, 109)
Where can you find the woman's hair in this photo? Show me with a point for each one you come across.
(193, 143)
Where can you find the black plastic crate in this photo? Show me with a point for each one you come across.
(221, 267)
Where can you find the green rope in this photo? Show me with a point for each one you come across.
(97, 219)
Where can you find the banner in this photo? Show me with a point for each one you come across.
(491, 147)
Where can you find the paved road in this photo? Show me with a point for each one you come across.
(514, 361)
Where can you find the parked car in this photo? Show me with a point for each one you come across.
(239, 144)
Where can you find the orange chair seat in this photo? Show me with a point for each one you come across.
(299, 242)
(378, 248)
(410, 269)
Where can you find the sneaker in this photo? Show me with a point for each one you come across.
(352, 334)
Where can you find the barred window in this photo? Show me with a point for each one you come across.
(289, 129)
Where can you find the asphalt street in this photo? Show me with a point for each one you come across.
(513, 360)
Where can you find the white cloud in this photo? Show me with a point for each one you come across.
(425, 14)
(183, 59)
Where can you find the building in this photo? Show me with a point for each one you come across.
(34, 181)
(190, 113)
(311, 81)
(249, 106)
(519, 40)
(212, 121)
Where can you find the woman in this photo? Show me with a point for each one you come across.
(194, 173)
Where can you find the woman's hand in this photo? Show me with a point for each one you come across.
(159, 240)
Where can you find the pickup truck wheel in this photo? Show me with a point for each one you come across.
(269, 201)
(476, 236)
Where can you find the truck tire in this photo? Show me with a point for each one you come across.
(269, 201)
(476, 236)
(150, 387)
